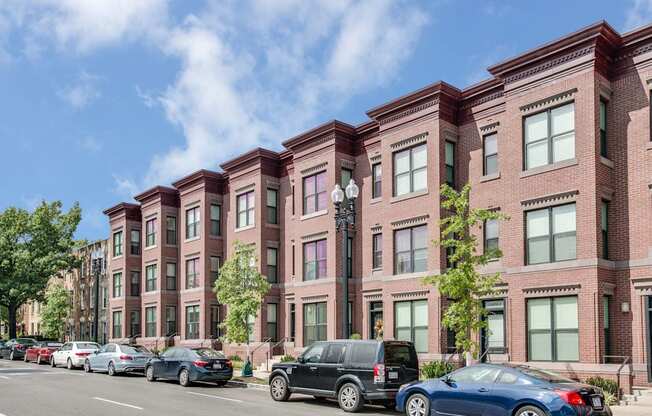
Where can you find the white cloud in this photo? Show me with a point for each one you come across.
(149, 100)
(82, 92)
(638, 14)
(90, 144)
(125, 187)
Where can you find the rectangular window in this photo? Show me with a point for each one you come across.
(603, 128)
(293, 322)
(117, 244)
(272, 265)
(215, 269)
(251, 321)
(410, 170)
(117, 285)
(135, 284)
(246, 209)
(117, 324)
(606, 322)
(192, 273)
(314, 260)
(150, 321)
(449, 163)
(345, 177)
(216, 217)
(411, 323)
(377, 255)
(170, 320)
(150, 278)
(105, 297)
(171, 276)
(192, 322)
(491, 153)
(215, 322)
(553, 329)
(272, 321)
(135, 242)
(193, 224)
(549, 136)
(410, 250)
(494, 334)
(314, 322)
(171, 230)
(604, 227)
(376, 320)
(150, 229)
(349, 257)
(490, 235)
(551, 234)
(134, 323)
(293, 200)
(377, 180)
(272, 206)
(314, 193)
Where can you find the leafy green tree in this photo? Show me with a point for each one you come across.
(241, 287)
(56, 311)
(462, 282)
(34, 247)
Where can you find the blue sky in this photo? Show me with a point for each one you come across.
(102, 99)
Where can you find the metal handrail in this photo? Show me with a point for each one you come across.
(282, 341)
(626, 359)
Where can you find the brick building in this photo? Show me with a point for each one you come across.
(558, 139)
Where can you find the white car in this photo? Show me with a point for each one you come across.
(73, 354)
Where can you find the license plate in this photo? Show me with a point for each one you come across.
(597, 402)
(217, 366)
(393, 375)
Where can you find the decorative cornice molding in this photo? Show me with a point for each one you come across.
(411, 294)
(482, 99)
(376, 228)
(410, 111)
(552, 199)
(552, 290)
(375, 158)
(549, 64)
(314, 169)
(246, 188)
(490, 128)
(315, 236)
(410, 141)
(347, 164)
(635, 52)
(373, 296)
(555, 99)
(421, 219)
(314, 298)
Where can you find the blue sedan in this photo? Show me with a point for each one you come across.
(499, 390)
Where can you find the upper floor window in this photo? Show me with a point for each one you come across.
(551, 234)
(117, 285)
(314, 193)
(550, 136)
(216, 216)
(171, 230)
(117, 244)
(192, 273)
(345, 176)
(135, 283)
(272, 206)
(192, 222)
(314, 260)
(410, 170)
(135, 242)
(603, 128)
(490, 235)
(272, 265)
(150, 229)
(449, 162)
(377, 251)
(604, 228)
(246, 209)
(171, 276)
(410, 250)
(215, 269)
(490, 153)
(377, 180)
(150, 278)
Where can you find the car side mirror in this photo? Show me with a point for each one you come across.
(301, 360)
(447, 379)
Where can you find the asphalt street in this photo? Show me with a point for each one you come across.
(28, 389)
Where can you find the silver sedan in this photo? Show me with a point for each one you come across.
(118, 358)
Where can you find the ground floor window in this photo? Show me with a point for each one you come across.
(293, 322)
(192, 322)
(375, 320)
(553, 329)
(170, 320)
(117, 324)
(606, 300)
(314, 322)
(215, 321)
(494, 334)
(411, 323)
(150, 321)
(272, 321)
(134, 323)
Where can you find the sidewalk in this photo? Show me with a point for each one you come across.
(641, 407)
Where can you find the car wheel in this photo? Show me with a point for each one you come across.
(87, 366)
(184, 378)
(69, 364)
(529, 411)
(350, 398)
(149, 373)
(38, 360)
(52, 363)
(417, 405)
(111, 370)
(278, 389)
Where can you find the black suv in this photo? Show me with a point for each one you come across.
(354, 372)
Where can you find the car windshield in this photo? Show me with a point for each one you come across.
(208, 353)
(134, 349)
(26, 341)
(545, 375)
(87, 346)
(400, 354)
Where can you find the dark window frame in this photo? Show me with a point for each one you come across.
(117, 287)
(249, 211)
(216, 223)
(319, 307)
(496, 311)
(116, 324)
(193, 229)
(192, 279)
(170, 325)
(170, 278)
(134, 246)
(376, 308)
(134, 284)
(150, 233)
(307, 246)
(549, 138)
(134, 324)
(411, 170)
(376, 180)
(413, 328)
(272, 269)
(450, 168)
(272, 327)
(171, 232)
(272, 210)
(604, 227)
(377, 251)
(150, 326)
(486, 156)
(315, 193)
(412, 250)
(151, 281)
(551, 236)
(488, 243)
(192, 327)
(117, 243)
(553, 332)
(603, 109)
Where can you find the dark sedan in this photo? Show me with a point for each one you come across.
(14, 349)
(496, 390)
(187, 365)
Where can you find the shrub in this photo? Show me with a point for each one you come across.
(287, 358)
(235, 358)
(356, 336)
(608, 386)
(610, 399)
(436, 369)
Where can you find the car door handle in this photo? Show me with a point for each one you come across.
(483, 390)
(313, 368)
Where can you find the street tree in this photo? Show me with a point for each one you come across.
(34, 246)
(461, 281)
(55, 311)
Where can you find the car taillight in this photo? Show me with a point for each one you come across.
(570, 397)
(19, 347)
(379, 373)
(229, 364)
(82, 354)
(126, 357)
(200, 363)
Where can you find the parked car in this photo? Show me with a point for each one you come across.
(353, 372)
(188, 365)
(501, 389)
(73, 354)
(41, 351)
(118, 358)
(14, 349)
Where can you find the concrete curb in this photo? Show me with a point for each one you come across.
(247, 385)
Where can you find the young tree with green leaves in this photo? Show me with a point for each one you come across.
(34, 246)
(241, 287)
(55, 311)
(462, 282)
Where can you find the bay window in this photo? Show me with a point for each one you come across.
(410, 170)
(410, 250)
(314, 193)
(551, 234)
(549, 136)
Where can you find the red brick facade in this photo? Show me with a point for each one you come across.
(589, 66)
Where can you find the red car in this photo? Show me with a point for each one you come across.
(41, 351)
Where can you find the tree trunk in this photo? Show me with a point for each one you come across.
(12, 321)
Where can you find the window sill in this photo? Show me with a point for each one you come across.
(245, 228)
(607, 162)
(314, 214)
(275, 226)
(117, 257)
(171, 245)
(215, 237)
(150, 248)
(490, 177)
(375, 200)
(548, 168)
(188, 240)
(409, 196)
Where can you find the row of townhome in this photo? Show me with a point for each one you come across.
(558, 139)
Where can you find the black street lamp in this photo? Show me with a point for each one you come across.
(345, 222)
(96, 260)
